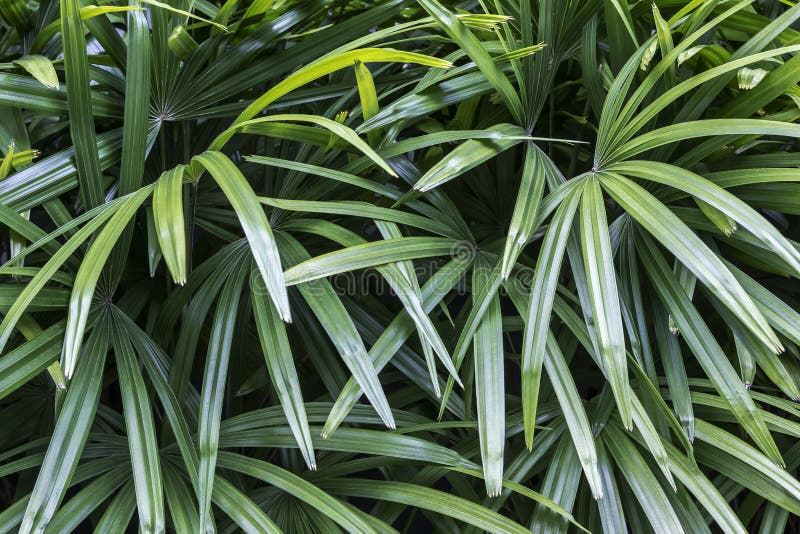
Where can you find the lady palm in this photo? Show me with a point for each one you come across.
(568, 227)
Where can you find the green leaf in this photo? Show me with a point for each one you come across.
(323, 67)
(297, 487)
(691, 251)
(78, 508)
(366, 255)
(81, 121)
(181, 43)
(574, 414)
(468, 156)
(354, 440)
(137, 103)
(751, 457)
(674, 370)
(29, 359)
(368, 96)
(141, 437)
(720, 199)
(568, 399)
(780, 315)
(169, 221)
(244, 512)
(69, 435)
(214, 380)
(162, 5)
(645, 486)
(601, 280)
(540, 305)
(427, 499)
(725, 223)
(364, 210)
(35, 285)
(180, 501)
(706, 349)
(478, 310)
(704, 490)
(393, 337)
(334, 127)
(119, 512)
(464, 38)
(402, 277)
(490, 388)
(710, 75)
(40, 68)
(17, 14)
(282, 372)
(623, 11)
(52, 176)
(88, 275)
(254, 223)
(524, 218)
(331, 313)
(704, 128)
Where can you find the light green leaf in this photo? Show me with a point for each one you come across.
(169, 221)
(323, 67)
(462, 36)
(40, 68)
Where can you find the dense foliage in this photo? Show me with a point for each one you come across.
(322, 265)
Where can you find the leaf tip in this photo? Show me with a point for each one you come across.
(282, 305)
(593, 476)
(495, 490)
(529, 441)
